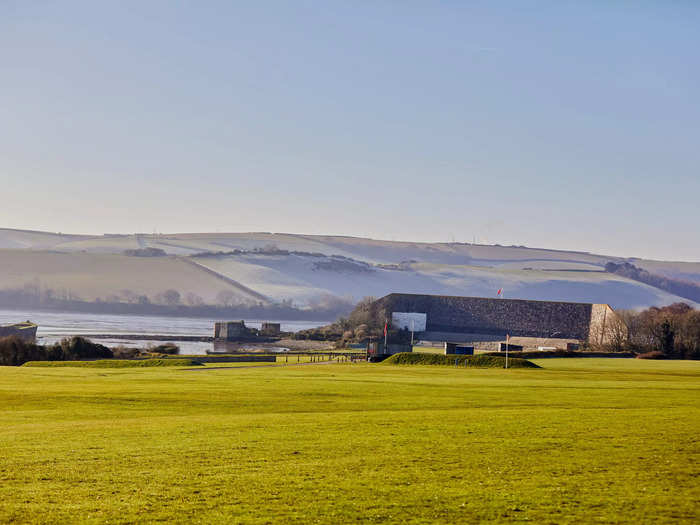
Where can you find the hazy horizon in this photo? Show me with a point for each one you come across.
(302, 234)
(568, 127)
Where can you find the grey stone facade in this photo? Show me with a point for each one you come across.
(230, 330)
(492, 319)
(272, 329)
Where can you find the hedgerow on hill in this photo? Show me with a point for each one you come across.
(465, 361)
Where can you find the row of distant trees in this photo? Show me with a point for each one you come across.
(686, 289)
(173, 302)
(168, 297)
(671, 331)
(34, 294)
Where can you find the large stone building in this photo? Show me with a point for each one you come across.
(485, 322)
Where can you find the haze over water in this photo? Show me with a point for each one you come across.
(53, 326)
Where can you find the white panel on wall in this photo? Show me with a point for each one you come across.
(409, 320)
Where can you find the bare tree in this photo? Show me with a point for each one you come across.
(171, 297)
(129, 296)
(193, 299)
(226, 298)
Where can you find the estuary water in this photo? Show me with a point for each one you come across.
(53, 326)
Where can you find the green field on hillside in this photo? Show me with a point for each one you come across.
(577, 441)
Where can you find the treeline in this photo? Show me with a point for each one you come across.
(671, 332)
(364, 323)
(268, 250)
(145, 252)
(170, 304)
(686, 289)
(337, 262)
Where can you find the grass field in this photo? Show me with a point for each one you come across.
(113, 363)
(578, 441)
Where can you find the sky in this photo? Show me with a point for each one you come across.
(555, 124)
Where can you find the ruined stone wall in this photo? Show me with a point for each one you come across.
(519, 318)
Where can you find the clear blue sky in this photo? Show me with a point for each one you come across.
(572, 125)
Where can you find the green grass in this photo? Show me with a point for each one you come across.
(114, 363)
(464, 361)
(429, 349)
(579, 441)
(284, 358)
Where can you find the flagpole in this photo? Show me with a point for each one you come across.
(507, 342)
(386, 333)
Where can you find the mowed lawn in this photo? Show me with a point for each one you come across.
(579, 441)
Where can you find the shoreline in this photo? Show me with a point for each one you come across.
(211, 312)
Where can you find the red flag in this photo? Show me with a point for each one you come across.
(386, 327)
(499, 291)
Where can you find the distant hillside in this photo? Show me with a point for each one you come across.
(306, 271)
(686, 289)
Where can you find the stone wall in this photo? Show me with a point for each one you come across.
(497, 317)
(230, 330)
(606, 326)
(488, 342)
(270, 328)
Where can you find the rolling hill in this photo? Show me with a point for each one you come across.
(306, 270)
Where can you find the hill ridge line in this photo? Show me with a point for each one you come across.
(228, 280)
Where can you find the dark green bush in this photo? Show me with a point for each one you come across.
(471, 361)
(77, 348)
(15, 351)
(167, 348)
(126, 352)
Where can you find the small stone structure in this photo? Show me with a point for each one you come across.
(230, 330)
(502, 347)
(378, 348)
(458, 349)
(271, 329)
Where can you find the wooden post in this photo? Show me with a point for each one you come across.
(507, 344)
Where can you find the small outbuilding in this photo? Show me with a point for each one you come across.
(458, 349)
(230, 330)
(271, 329)
(377, 351)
